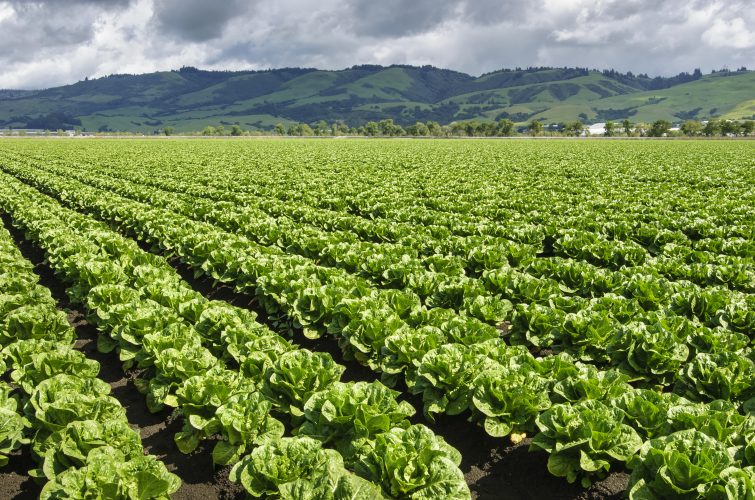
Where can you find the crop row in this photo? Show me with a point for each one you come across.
(648, 336)
(518, 391)
(659, 202)
(611, 243)
(228, 375)
(78, 433)
(446, 286)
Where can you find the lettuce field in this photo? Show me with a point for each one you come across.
(363, 319)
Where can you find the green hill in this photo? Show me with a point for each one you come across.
(189, 99)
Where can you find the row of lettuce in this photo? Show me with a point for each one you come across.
(233, 378)
(411, 250)
(639, 192)
(662, 327)
(562, 303)
(53, 401)
(457, 363)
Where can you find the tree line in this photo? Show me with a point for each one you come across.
(500, 128)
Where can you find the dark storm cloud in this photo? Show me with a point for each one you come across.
(391, 18)
(52, 24)
(56, 41)
(197, 20)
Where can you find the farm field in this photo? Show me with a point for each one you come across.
(377, 318)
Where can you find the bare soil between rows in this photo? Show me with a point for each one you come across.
(492, 467)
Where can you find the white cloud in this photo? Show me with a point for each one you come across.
(47, 43)
(732, 34)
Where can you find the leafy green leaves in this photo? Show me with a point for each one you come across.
(687, 463)
(348, 416)
(109, 474)
(413, 463)
(13, 425)
(584, 439)
(289, 467)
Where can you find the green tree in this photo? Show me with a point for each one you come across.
(419, 129)
(306, 130)
(371, 128)
(729, 127)
(574, 128)
(168, 130)
(747, 127)
(535, 127)
(659, 128)
(279, 129)
(691, 128)
(711, 128)
(506, 127)
(627, 126)
(434, 128)
(610, 128)
(321, 127)
(236, 130)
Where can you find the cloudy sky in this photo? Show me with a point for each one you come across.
(53, 42)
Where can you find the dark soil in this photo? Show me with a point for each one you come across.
(496, 470)
(15, 481)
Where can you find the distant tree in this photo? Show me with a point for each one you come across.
(209, 130)
(659, 128)
(236, 130)
(168, 130)
(468, 128)
(300, 129)
(609, 129)
(577, 128)
(279, 129)
(60, 132)
(220, 130)
(419, 129)
(321, 128)
(506, 127)
(434, 128)
(371, 128)
(747, 127)
(729, 127)
(691, 128)
(535, 127)
(627, 126)
(388, 128)
(711, 128)
(487, 129)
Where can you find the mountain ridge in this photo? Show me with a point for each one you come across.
(189, 99)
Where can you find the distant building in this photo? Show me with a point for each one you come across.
(595, 129)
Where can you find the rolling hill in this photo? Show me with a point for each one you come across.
(189, 99)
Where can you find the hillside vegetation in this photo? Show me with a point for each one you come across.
(189, 99)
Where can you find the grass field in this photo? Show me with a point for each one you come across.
(378, 318)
